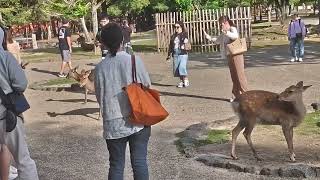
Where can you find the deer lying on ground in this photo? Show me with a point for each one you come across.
(285, 109)
(76, 76)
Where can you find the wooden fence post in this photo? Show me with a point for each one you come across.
(198, 20)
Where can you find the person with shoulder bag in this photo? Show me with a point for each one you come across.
(232, 48)
(13, 81)
(112, 75)
(297, 31)
(178, 49)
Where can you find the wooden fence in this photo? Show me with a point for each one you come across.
(197, 21)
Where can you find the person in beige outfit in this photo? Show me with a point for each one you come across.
(235, 62)
(13, 46)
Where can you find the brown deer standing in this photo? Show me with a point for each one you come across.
(76, 76)
(285, 109)
(87, 81)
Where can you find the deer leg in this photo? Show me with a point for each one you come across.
(288, 134)
(247, 134)
(235, 133)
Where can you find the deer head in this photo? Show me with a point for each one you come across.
(293, 93)
(84, 77)
(73, 73)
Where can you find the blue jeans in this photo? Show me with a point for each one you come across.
(138, 143)
(297, 47)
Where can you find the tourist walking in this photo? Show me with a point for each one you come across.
(111, 76)
(13, 46)
(235, 62)
(127, 31)
(65, 46)
(296, 34)
(179, 52)
(103, 21)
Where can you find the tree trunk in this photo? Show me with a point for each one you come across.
(95, 25)
(284, 13)
(94, 8)
(49, 32)
(260, 7)
(85, 30)
(269, 14)
(255, 13)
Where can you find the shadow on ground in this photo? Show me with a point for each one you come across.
(44, 71)
(69, 100)
(192, 96)
(87, 112)
(270, 55)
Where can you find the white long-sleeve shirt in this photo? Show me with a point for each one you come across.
(224, 39)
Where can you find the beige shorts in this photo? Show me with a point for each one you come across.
(65, 55)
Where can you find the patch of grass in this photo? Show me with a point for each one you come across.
(54, 54)
(59, 81)
(311, 125)
(142, 35)
(216, 137)
(148, 45)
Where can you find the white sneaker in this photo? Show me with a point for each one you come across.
(62, 75)
(13, 173)
(300, 60)
(180, 85)
(186, 83)
(293, 60)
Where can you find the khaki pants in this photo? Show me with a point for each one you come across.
(17, 146)
(239, 80)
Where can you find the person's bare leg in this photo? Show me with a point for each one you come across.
(63, 65)
(69, 65)
(5, 159)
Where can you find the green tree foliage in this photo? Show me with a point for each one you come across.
(14, 12)
(71, 10)
(184, 4)
(128, 7)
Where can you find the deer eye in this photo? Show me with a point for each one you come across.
(291, 91)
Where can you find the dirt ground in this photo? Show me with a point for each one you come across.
(66, 141)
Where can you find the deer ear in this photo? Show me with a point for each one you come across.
(306, 87)
(83, 71)
(300, 84)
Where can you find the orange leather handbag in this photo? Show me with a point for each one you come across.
(145, 102)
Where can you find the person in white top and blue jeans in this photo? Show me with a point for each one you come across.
(296, 34)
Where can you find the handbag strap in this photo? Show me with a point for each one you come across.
(134, 69)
